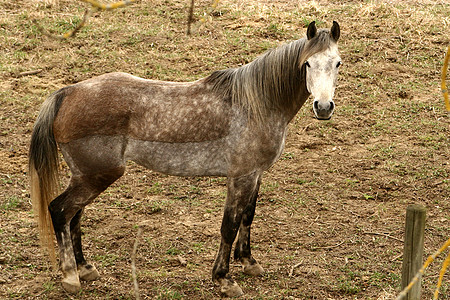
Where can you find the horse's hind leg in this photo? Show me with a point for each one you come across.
(242, 252)
(62, 210)
(86, 270)
(240, 193)
(67, 208)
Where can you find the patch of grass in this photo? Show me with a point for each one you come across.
(368, 197)
(269, 187)
(166, 293)
(351, 182)
(11, 203)
(349, 284)
(198, 247)
(107, 260)
(173, 251)
(156, 206)
(196, 190)
(48, 286)
(287, 155)
(155, 189)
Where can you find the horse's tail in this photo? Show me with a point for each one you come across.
(43, 169)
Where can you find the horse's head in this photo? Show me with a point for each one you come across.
(321, 72)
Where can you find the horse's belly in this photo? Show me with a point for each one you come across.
(182, 159)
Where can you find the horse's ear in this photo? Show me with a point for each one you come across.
(335, 31)
(312, 30)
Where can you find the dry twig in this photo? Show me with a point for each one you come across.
(133, 264)
(384, 234)
(330, 247)
(190, 17)
(26, 73)
(291, 272)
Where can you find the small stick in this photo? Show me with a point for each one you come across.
(26, 73)
(190, 17)
(133, 264)
(330, 247)
(311, 224)
(397, 257)
(291, 272)
(384, 234)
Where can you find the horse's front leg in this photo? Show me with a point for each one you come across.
(242, 251)
(240, 192)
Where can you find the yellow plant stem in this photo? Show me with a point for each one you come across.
(101, 6)
(444, 75)
(442, 272)
(429, 260)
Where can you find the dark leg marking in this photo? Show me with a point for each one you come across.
(66, 211)
(240, 193)
(86, 270)
(242, 251)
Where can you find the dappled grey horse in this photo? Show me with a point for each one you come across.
(232, 123)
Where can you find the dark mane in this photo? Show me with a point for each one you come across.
(271, 80)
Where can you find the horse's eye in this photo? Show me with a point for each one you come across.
(307, 64)
(338, 64)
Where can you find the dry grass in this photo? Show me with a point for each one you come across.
(337, 183)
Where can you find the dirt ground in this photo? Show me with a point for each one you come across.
(330, 217)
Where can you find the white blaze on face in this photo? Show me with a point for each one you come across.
(321, 73)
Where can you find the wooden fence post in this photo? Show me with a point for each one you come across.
(413, 248)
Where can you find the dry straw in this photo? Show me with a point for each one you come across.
(444, 75)
(419, 274)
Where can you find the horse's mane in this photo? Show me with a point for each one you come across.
(272, 80)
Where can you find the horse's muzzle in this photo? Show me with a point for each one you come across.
(323, 110)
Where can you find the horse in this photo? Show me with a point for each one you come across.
(232, 123)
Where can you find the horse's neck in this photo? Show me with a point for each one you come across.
(288, 112)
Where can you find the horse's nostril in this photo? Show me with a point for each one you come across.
(323, 106)
(323, 110)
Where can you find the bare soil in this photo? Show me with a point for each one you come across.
(330, 217)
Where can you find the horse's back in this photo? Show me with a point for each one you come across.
(148, 110)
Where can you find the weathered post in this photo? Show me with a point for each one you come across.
(413, 248)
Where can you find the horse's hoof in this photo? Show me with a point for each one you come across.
(251, 267)
(71, 286)
(253, 270)
(230, 288)
(88, 273)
